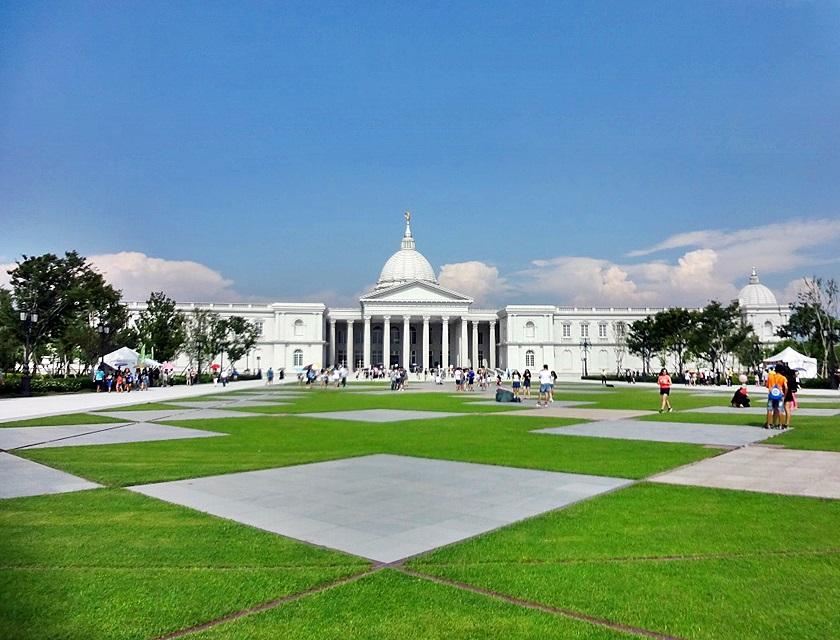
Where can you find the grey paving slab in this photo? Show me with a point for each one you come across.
(710, 434)
(16, 437)
(761, 409)
(186, 414)
(381, 415)
(204, 404)
(557, 404)
(582, 413)
(247, 404)
(765, 469)
(20, 478)
(135, 432)
(382, 507)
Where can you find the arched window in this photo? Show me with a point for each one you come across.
(298, 327)
(530, 330)
(297, 358)
(529, 358)
(377, 335)
(566, 360)
(413, 334)
(768, 329)
(395, 336)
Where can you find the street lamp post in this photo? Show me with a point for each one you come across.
(103, 330)
(28, 318)
(585, 346)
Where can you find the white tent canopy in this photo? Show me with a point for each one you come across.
(125, 357)
(806, 366)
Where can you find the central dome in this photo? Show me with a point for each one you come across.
(407, 264)
(755, 293)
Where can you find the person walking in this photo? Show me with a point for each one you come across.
(526, 383)
(545, 387)
(776, 391)
(269, 376)
(664, 382)
(517, 383)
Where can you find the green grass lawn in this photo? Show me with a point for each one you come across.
(391, 605)
(70, 418)
(691, 562)
(112, 564)
(273, 441)
(698, 563)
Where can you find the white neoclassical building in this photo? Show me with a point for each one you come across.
(410, 319)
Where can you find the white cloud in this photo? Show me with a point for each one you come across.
(137, 275)
(478, 280)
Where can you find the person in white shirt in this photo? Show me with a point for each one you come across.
(545, 387)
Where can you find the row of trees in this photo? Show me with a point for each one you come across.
(712, 334)
(717, 333)
(60, 310)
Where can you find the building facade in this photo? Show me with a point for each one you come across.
(411, 320)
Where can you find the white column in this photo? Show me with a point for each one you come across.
(475, 362)
(462, 346)
(386, 341)
(406, 351)
(350, 360)
(366, 356)
(444, 348)
(425, 360)
(492, 345)
(332, 342)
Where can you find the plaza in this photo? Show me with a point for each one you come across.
(284, 510)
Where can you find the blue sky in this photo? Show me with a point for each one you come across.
(268, 150)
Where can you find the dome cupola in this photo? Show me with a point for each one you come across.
(756, 293)
(407, 264)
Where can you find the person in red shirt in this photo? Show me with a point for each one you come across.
(664, 381)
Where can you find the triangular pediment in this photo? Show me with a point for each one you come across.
(416, 291)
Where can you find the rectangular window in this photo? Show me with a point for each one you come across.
(567, 330)
(584, 330)
(481, 358)
(602, 330)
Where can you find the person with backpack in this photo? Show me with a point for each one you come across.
(776, 390)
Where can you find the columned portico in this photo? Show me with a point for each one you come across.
(351, 362)
(475, 362)
(332, 343)
(444, 352)
(386, 341)
(492, 345)
(462, 346)
(406, 342)
(425, 361)
(366, 345)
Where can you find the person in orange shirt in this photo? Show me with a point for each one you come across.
(776, 390)
(664, 381)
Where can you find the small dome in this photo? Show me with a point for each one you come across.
(406, 265)
(756, 293)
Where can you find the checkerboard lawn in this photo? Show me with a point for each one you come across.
(683, 561)
(112, 564)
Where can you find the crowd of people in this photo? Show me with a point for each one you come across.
(126, 380)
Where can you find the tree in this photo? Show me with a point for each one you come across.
(162, 327)
(240, 336)
(69, 298)
(718, 332)
(750, 353)
(644, 340)
(10, 345)
(815, 322)
(205, 336)
(676, 328)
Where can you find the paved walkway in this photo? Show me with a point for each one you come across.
(22, 408)
(764, 469)
(20, 477)
(382, 507)
(686, 432)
